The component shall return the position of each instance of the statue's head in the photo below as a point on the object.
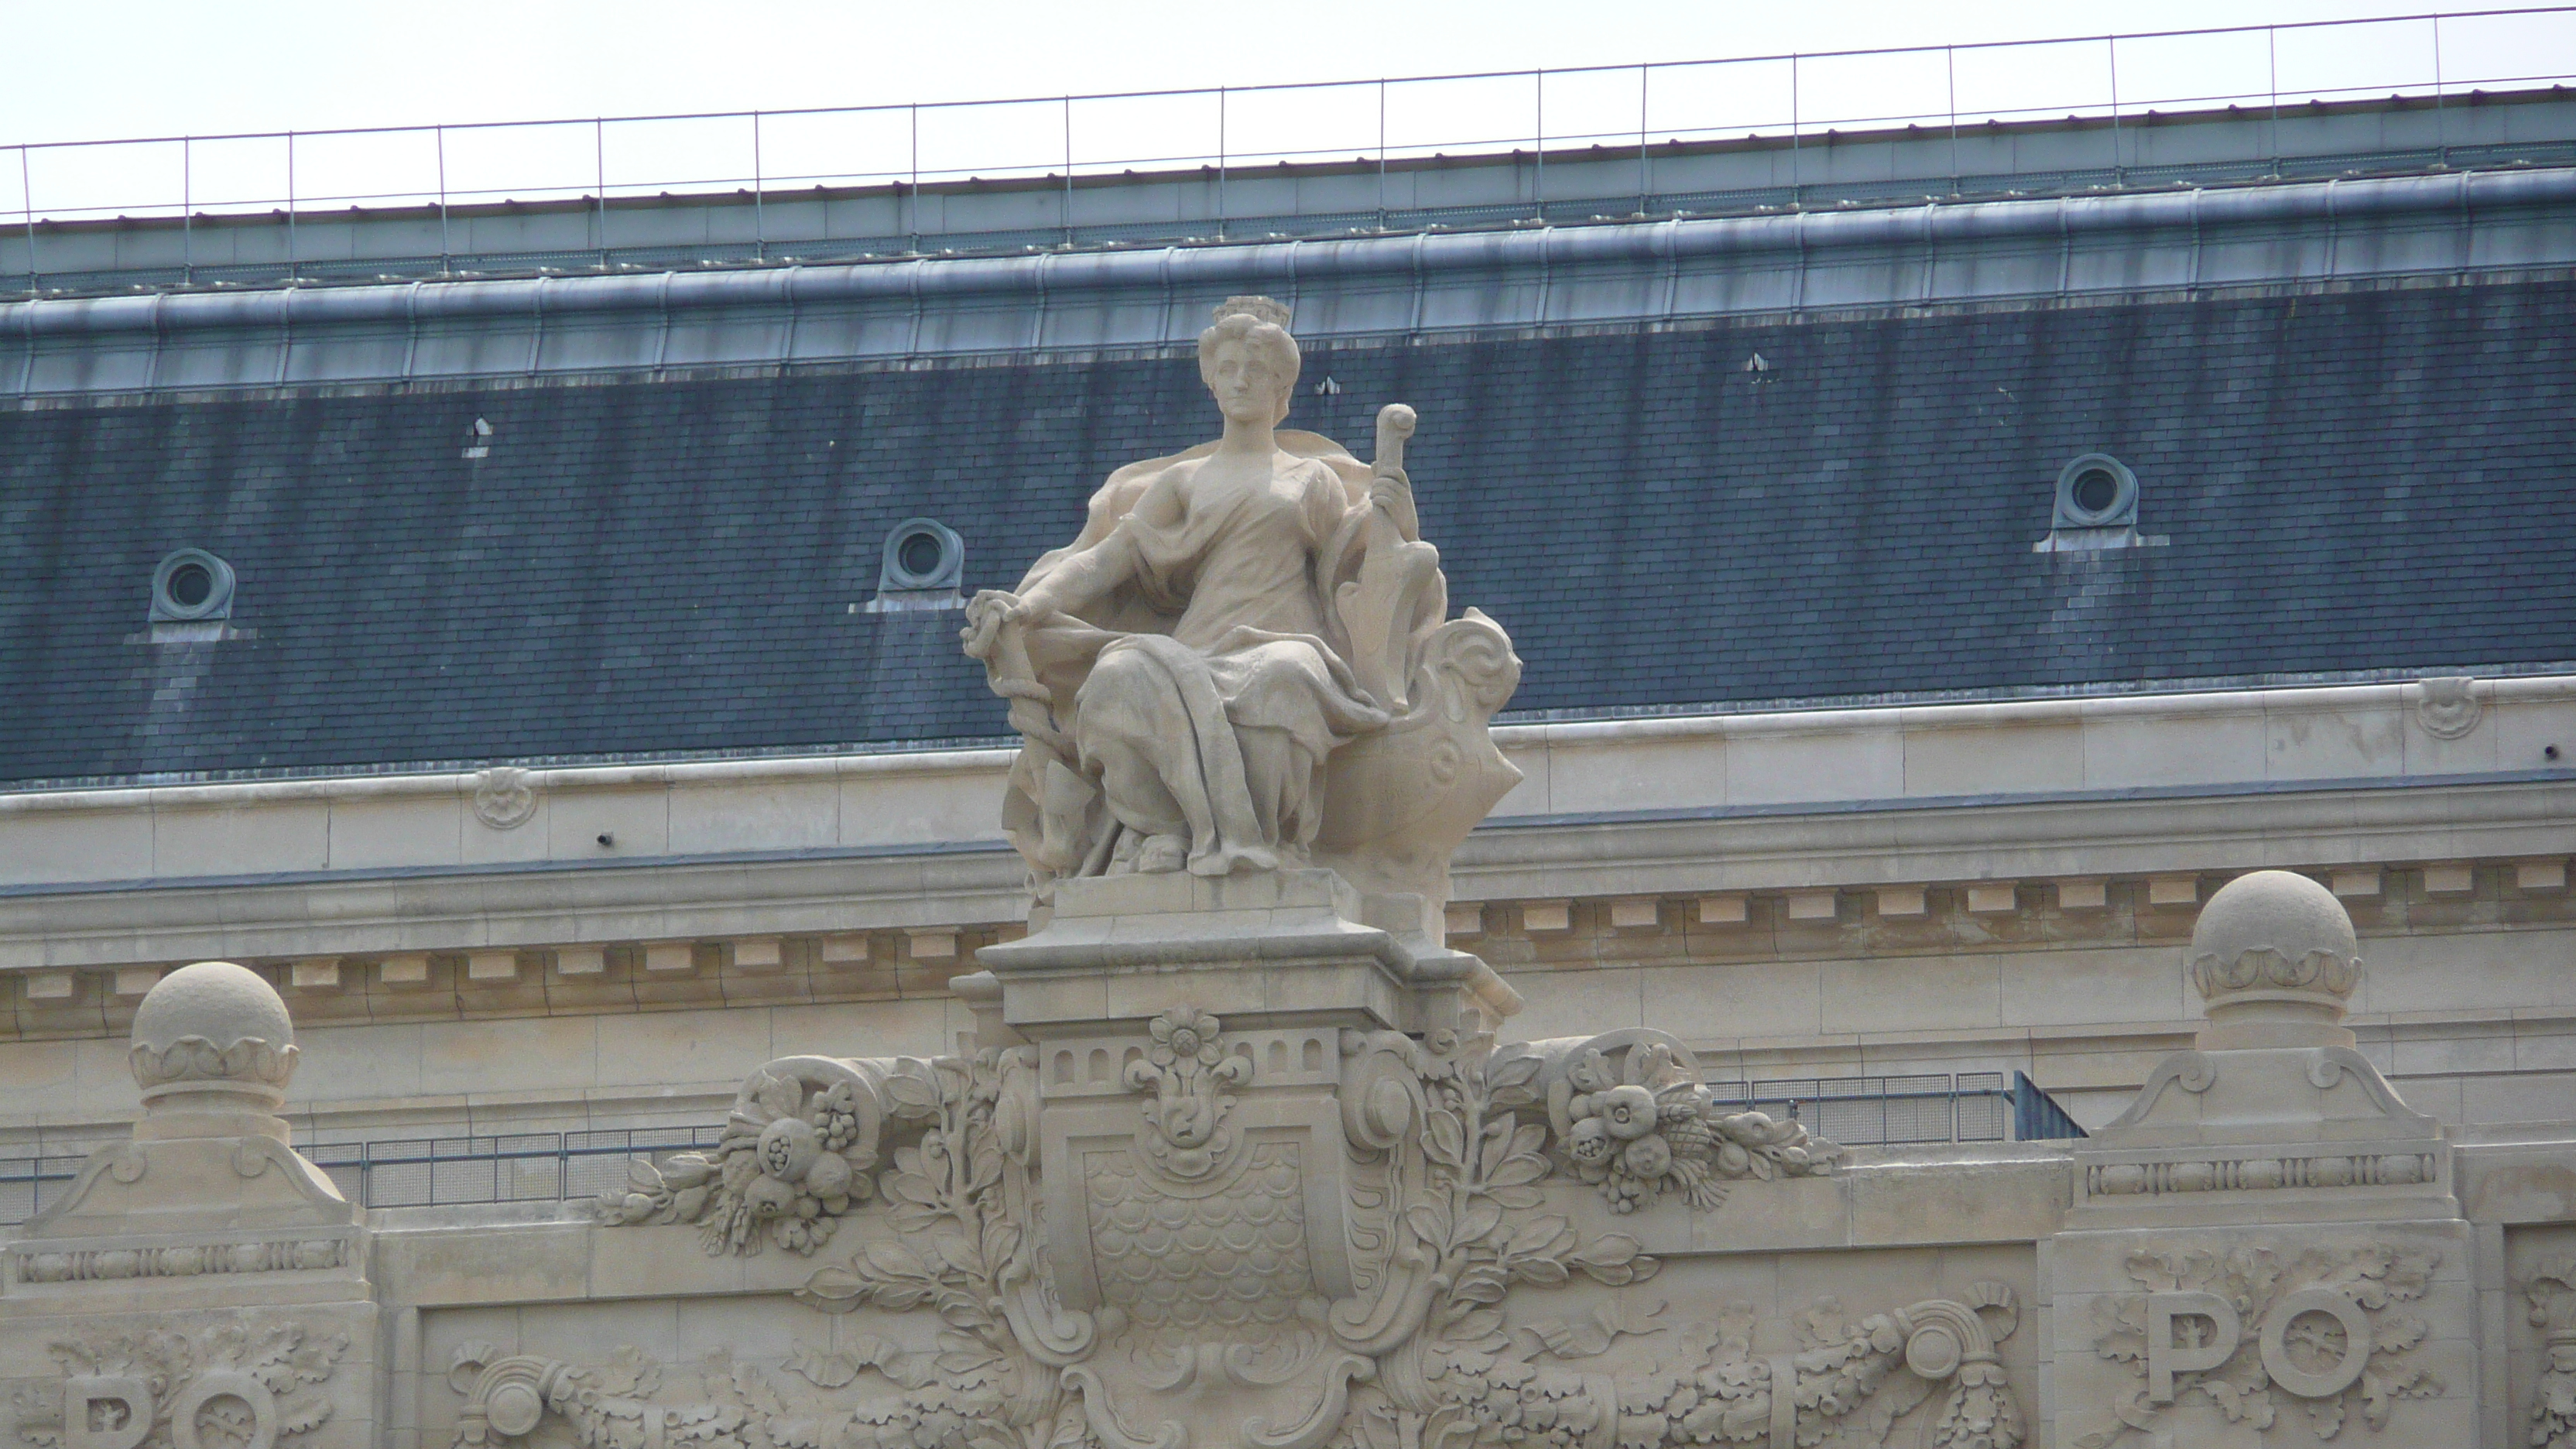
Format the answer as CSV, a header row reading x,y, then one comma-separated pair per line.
x,y
1248,360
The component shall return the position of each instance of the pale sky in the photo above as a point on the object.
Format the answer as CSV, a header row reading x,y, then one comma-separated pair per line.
x,y
162,67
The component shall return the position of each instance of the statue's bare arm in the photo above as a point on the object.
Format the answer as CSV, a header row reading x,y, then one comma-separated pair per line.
x,y
1082,577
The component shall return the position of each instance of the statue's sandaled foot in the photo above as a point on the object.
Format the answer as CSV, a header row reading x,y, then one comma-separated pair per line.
x,y
1161,854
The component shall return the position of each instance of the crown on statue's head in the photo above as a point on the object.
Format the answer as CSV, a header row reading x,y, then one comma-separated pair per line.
x,y
1259,308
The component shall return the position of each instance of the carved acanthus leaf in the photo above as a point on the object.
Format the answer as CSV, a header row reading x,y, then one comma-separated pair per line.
x,y
2551,1292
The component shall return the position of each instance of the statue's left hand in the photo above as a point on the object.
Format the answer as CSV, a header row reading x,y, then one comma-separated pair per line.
x,y
986,613
1392,491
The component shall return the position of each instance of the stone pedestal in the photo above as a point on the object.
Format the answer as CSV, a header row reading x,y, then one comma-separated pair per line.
x,y
2266,1249
202,1286
1294,947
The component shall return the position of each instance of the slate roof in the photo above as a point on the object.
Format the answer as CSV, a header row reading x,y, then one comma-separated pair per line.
x,y
2371,480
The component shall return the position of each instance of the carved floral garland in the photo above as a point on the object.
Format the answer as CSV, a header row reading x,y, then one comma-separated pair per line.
x,y
1463,1134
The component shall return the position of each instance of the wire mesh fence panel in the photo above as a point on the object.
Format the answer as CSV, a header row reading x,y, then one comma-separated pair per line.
x,y
1882,1111
466,1170
400,1180
595,1163
529,1168
345,1163
1985,1108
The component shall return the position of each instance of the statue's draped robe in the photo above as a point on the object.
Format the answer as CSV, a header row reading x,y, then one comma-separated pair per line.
x,y
1215,673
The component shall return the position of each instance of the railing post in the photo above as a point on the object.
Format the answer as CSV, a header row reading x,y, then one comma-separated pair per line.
x,y
1066,215
2114,42
27,198
599,171
2272,82
912,232
1538,148
1381,153
294,263
1645,162
759,222
2441,134
1950,68
446,253
187,211
1220,162
1797,181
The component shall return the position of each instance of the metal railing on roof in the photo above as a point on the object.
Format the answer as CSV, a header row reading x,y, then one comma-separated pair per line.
x,y
1223,134
1883,1111
563,1166
517,1167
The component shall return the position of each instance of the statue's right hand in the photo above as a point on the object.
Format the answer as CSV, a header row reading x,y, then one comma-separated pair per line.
x,y
986,613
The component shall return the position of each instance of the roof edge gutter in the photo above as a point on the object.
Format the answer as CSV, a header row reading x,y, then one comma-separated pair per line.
x,y
1302,262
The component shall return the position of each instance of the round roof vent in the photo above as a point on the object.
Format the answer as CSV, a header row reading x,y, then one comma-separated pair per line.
x,y
2096,491
192,586
922,555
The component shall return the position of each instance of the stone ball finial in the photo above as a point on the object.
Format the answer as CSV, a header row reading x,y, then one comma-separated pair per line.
x,y
2274,958
213,1029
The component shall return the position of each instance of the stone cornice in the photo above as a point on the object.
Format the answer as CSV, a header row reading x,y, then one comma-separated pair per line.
x,y
981,763
1868,844
1860,846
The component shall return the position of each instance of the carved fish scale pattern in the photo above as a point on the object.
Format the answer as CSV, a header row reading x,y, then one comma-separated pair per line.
x,y
1233,1259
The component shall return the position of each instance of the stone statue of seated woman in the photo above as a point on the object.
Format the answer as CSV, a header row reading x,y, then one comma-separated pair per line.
x,y
1243,662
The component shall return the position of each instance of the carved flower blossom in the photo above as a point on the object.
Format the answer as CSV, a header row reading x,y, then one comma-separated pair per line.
x,y
1185,1033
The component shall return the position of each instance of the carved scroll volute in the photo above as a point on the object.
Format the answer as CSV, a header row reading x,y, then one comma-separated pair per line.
x,y
508,1398
1383,1109
1955,1342
1383,829
1050,1333
2552,1294
1382,1102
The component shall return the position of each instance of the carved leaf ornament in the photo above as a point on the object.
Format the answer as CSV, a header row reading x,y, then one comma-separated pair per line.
x,y
1447,1144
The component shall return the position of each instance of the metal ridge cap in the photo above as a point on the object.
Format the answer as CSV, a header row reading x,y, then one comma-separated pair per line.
x,y
1295,260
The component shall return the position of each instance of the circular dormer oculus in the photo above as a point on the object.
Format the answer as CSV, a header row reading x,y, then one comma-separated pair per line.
x,y
2096,491
922,555
192,586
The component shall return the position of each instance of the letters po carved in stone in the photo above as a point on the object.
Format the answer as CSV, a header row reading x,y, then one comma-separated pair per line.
x,y
2329,1330
2193,1332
